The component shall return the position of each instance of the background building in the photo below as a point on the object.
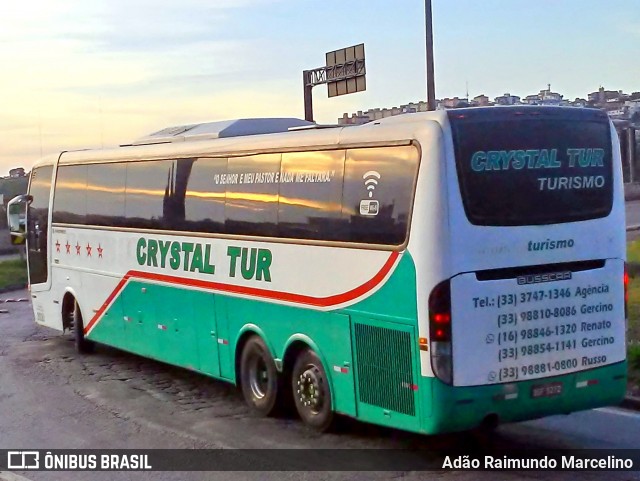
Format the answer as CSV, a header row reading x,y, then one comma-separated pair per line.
x,y
507,99
619,106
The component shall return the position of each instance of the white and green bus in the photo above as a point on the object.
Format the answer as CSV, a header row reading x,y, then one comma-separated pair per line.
x,y
430,272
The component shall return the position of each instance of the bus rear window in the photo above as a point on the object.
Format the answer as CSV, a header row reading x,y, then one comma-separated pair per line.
x,y
533,165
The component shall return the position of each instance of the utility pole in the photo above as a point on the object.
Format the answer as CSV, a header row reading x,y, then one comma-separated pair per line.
x,y
431,89
631,153
308,97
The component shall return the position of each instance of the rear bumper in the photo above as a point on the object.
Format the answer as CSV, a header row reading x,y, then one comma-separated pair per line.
x,y
463,408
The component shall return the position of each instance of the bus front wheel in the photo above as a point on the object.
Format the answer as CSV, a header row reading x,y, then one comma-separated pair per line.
x,y
83,346
311,391
259,377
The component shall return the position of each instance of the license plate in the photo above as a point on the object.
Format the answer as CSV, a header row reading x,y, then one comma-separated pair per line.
x,y
546,390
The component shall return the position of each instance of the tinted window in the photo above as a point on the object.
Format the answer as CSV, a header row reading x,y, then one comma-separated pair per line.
x,y
532,166
378,193
69,200
205,197
175,195
310,204
38,224
40,188
358,195
105,194
150,191
252,195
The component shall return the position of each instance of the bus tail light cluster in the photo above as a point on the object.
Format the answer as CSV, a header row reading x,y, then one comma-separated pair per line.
x,y
626,289
440,331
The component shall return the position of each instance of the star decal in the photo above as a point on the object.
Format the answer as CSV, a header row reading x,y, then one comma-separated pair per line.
x,y
88,250
68,247
57,245
100,249
78,248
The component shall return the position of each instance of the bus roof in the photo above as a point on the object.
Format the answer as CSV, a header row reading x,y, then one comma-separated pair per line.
x,y
222,129
291,137
252,135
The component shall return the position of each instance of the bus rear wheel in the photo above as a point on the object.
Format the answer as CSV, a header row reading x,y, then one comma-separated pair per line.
x,y
311,391
83,345
259,377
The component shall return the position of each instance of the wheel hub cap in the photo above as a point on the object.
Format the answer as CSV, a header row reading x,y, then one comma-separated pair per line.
x,y
310,393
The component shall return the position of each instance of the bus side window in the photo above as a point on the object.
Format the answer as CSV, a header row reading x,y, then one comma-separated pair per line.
x,y
105,194
378,193
251,206
310,203
205,196
70,200
150,185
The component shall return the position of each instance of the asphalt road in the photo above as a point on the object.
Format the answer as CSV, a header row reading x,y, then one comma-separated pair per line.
x,y
50,397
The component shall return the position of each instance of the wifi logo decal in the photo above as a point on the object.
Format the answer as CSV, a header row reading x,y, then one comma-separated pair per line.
x,y
370,207
371,179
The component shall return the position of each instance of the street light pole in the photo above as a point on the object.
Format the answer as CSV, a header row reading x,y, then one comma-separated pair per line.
x,y
431,89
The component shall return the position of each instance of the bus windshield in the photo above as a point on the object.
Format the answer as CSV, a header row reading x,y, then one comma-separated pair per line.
x,y
533,166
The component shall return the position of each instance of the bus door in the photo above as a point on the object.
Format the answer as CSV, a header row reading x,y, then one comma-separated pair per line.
x,y
38,226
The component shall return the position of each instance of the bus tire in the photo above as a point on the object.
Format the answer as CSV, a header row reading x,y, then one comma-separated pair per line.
x,y
259,377
311,391
83,345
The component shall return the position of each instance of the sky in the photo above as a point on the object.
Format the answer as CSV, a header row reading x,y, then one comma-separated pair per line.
x,y
82,74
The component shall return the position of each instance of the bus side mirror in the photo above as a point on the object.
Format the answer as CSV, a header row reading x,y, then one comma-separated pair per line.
x,y
17,218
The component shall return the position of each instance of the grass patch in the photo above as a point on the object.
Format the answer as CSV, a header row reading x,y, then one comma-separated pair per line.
x,y
633,305
633,335
13,273
633,252
633,357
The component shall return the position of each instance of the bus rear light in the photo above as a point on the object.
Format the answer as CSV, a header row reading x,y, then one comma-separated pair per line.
x,y
441,318
423,344
440,312
440,331
625,280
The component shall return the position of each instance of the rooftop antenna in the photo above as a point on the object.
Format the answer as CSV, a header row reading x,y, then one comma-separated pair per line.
x,y
40,129
101,123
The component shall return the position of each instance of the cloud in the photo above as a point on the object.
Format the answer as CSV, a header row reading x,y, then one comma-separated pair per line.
x,y
69,122
86,74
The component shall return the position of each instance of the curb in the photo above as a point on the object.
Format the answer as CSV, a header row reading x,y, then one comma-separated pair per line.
x,y
631,228
8,476
631,191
